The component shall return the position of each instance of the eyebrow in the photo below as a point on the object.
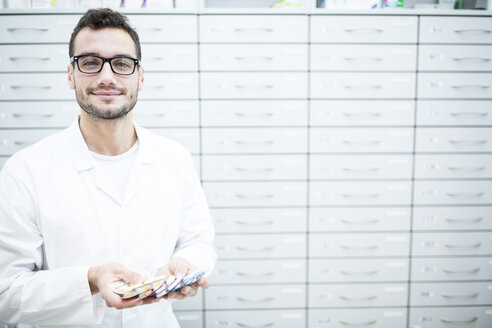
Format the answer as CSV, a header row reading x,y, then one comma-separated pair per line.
x,y
96,54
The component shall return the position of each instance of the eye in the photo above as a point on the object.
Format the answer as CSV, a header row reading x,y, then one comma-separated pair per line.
x,y
89,62
122,63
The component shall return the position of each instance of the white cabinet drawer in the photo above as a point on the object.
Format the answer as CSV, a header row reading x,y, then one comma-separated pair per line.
x,y
362,85
190,303
254,140
259,272
359,219
12,141
455,58
249,220
357,295
34,86
439,294
476,317
260,246
38,114
462,268
257,28
359,193
151,113
343,318
452,192
247,57
349,167
364,29
261,297
443,244
261,318
363,58
33,58
187,137
453,140
345,245
247,85
254,167
455,85
189,319
170,86
167,28
456,112
452,218
453,166
254,113
170,57
37,29
455,30
358,270
361,112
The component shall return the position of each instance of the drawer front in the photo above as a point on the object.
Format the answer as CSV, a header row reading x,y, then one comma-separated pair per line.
x,y
188,319
363,58
362,85
253,85
455,30
254,113
463,268
358,270
260,246
455,85
150,113
359,219
442,294
187,137
452,218
351,295
247,28
342,318
262,297
170,28
247,57
443,244
170,57
349,167
476,317
38,114
249,220
170,86
364,29
345,245
455,58
452,192
454,140
261,318
37,29
362,112
254,167
456,112
251,140
453,166
33,58
259,272
190,303
35,86
11,141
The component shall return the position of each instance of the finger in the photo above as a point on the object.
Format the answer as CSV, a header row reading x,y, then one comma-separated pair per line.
x,y
189,291
182,266
203,283
130,276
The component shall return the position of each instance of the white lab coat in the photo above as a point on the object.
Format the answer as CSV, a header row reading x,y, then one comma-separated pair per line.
x,y
59,215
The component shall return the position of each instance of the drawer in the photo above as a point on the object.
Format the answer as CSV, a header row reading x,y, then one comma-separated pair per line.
x,y
454,140
190,303
261,318
451,269
248,272
260,246
443,244
359,219
455,30
362,85
357,295
443,294
254,167
247,85
456,112
452,218
342,318
363,57
170,57
476,317
359,193
345,245
358,270
32,86
187,137
364,29
151,113
361,112
455,85
11,141
165,28
250,220
261,297
37,29
453,166
455,58
254,113
170,86
30,114
33,58
452,192
254,28
349,167
253,57
3,159
254,140
187,319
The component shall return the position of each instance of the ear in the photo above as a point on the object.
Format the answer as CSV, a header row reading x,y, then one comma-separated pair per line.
x,y
71,82
140,78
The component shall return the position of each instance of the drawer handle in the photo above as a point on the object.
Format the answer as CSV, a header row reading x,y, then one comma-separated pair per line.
x,y
363,114
155,58
362,86
470,86
34,115
254,143
470,271
254,29
254,115
372,195
357,323
23,143
355,221
459,322
480,59
363,58
473,30
156,86
360,248
479,114
255,275
254,170
462,296
467,141
464,220
255,223
465,194
38,29
253,86
358,298
265,325
29,58
466,168
364,30
264,196
359,273
155,29
264,58
360,169
258,300
262,249
476,245
30,87
361,142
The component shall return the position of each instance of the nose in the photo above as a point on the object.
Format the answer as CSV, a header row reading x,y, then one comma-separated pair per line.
x,y
106,75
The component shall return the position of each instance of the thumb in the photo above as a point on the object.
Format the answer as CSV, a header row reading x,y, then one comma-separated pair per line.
x,y
130,276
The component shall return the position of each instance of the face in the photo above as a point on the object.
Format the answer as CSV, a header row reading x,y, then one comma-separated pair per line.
x,y
105,95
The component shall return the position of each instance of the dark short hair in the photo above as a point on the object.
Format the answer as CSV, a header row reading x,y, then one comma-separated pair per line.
x,y
103,18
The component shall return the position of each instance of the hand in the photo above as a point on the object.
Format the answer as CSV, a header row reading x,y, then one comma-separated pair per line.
x,y
180,267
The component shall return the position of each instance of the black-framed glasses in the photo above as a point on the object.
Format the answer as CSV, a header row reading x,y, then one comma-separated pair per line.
x,y
92,64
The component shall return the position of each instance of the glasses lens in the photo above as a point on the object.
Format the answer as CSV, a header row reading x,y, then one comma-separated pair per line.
x,y
123,65
89,64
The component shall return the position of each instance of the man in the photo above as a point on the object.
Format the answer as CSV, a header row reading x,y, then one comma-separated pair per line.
x,y
101,201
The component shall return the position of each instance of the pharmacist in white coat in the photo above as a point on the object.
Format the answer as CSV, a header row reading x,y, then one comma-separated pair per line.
x,y
101,201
